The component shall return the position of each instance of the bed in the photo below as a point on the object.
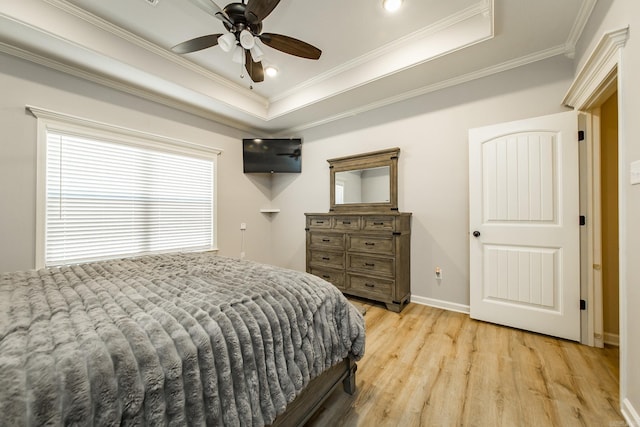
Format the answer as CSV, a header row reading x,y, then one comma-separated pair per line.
x,y
175,339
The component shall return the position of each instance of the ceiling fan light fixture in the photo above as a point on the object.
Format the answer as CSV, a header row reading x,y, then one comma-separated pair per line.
x,y
227,41
238,55
257,53
246,39
391,5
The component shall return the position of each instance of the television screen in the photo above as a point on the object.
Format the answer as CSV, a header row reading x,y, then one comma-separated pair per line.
x,y
274,155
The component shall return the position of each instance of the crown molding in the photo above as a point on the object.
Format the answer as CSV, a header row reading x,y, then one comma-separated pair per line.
x,y
485,72
484,8
98,22
578,25
123,87
598,68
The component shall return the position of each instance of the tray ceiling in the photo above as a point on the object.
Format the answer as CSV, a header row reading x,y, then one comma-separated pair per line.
x,y
370,57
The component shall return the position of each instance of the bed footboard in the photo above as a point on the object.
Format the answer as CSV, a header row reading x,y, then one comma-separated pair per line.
x,y
318,390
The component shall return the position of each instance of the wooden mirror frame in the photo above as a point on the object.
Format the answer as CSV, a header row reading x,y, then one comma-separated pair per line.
x,y
374,159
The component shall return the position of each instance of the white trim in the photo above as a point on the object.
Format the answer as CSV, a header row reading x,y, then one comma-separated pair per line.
x,y
125,87
448,22
612,339
601,68
48,119
474,75
41,189
151,47
622,233
578,26
630,414
444,305
594,229
602,62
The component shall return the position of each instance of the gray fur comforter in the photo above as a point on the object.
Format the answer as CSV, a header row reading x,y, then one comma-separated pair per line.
x,y
180,339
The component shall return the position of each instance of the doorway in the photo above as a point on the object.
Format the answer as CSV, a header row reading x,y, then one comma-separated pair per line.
x,y
599,182
609,219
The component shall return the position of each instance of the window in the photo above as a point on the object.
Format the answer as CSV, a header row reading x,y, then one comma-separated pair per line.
x,y
108,193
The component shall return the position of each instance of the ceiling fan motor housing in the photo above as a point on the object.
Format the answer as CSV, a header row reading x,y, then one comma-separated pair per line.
x,y
235,12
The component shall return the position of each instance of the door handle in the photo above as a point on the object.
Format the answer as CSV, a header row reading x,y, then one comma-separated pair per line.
x,y
476,233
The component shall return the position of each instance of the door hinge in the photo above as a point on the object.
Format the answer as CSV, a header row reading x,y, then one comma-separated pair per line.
x,y
583,220
580,135
583,304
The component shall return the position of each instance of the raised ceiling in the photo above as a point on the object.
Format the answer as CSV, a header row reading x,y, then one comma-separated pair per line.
x,y
370,58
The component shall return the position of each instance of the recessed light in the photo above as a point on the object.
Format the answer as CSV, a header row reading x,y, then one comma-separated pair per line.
x,y
271,70
391,5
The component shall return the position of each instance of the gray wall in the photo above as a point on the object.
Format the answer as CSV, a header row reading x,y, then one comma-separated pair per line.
x,y
23,83
431,132
613,15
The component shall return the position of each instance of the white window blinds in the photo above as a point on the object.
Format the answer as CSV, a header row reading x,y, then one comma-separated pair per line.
x,y
109,199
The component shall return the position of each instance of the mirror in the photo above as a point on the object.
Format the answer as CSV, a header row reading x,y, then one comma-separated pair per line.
x,y
365,182
363,186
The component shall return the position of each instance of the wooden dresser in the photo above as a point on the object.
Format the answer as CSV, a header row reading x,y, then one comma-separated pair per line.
x,y
363,254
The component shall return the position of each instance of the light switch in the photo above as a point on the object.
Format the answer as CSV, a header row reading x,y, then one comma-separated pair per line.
x,y
635,172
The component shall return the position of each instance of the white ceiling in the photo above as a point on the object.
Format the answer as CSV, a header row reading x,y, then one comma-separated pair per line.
x,y
370,58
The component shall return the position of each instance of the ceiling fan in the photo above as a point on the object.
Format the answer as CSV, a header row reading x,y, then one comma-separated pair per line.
x,y
244,23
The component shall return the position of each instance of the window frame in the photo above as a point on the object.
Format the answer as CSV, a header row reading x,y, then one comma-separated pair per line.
x,y
67,124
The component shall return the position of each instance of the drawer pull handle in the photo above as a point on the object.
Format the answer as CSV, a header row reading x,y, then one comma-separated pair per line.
x,y
326,276
369,244
378,223
368,264
346,222
319,222
369,285
326,240
326,258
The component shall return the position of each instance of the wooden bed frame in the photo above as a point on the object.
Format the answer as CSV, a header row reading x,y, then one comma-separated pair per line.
x,y
308,402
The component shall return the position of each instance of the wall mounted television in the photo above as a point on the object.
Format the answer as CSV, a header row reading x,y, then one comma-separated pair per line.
x,y
272,155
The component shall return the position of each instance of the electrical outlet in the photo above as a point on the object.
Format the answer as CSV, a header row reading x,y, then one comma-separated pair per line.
x,y
438,273
243,226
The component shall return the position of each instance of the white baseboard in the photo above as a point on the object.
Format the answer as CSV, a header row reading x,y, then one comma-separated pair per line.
x,y
445,305
612,339
630,414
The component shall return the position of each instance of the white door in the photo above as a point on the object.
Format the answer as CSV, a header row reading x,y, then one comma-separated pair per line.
x,y
524,225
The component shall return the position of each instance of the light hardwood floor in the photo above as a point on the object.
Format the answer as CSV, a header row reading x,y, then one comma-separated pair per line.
x,y
430,367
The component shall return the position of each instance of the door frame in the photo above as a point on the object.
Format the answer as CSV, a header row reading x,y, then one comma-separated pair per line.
x,y
602,71
591,265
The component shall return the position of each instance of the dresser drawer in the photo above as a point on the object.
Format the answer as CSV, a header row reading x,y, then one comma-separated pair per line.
x,y
370,287
379,223
369,264
327,259
346,223
319,221
371,244
327,240
332,276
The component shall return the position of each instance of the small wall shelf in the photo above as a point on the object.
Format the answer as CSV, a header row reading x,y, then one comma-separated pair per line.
x,y
269,210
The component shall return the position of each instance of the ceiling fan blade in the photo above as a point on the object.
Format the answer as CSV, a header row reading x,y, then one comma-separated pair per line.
x,y
211,7
196,44
290,45
257,10
255,70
